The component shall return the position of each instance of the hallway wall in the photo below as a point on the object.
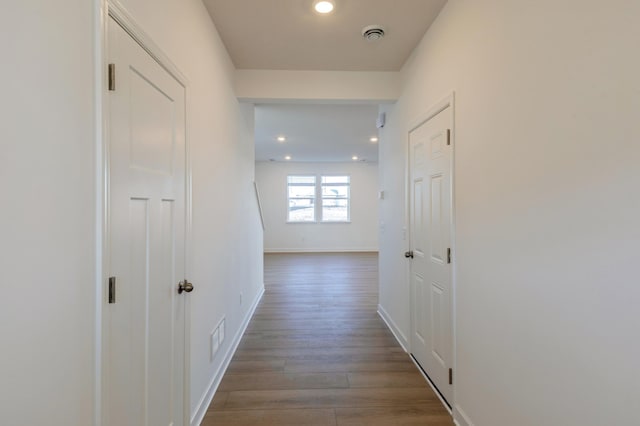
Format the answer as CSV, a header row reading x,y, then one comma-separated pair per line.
x,y
47,222
48,182
546,187
359,235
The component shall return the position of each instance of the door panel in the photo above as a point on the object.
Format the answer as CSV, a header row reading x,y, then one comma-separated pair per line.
x,y
145,384
430,235
438,249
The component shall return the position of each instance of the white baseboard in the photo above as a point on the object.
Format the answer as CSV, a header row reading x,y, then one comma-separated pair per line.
x,y
321,250
206,399
433,387
400,337
460,418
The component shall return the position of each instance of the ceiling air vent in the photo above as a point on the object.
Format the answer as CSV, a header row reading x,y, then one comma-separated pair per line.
x,y
373,32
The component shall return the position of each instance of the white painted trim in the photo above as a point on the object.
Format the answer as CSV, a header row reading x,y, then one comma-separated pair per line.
x,y
255,187
126,20
101,216
321,250
446,102
397,333
206,399
435,109
115,10
433,387
460,418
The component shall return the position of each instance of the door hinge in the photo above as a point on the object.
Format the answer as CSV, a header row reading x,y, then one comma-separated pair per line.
x,y
112,77
112,289
451,376
448,255
448,136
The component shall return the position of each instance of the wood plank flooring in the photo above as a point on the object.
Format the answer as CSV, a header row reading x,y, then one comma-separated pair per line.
x,y
316,353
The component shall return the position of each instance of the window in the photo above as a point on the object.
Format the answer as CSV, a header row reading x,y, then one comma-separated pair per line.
x,y
335,198
334,193
301,197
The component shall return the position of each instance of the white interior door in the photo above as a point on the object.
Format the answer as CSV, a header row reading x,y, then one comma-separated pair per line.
x,y
430,240
146,336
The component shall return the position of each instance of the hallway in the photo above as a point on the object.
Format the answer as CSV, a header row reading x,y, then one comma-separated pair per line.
x,y
316,353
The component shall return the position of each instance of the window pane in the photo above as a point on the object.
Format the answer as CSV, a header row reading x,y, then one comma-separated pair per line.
x,y
334,210
302,179
302,210
301,195
335,179
335,198
302,191
335,191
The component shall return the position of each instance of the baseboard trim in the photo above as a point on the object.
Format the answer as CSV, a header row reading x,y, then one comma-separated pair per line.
x,y
433,387
321,250
395,330
460,418
206,399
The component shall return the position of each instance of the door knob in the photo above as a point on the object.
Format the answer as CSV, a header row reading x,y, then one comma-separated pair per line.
x,y
185,286
408,254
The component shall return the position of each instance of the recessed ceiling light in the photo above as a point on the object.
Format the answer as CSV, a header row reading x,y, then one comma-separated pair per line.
x,y
281,139
288,157
374,139
324,6
354,158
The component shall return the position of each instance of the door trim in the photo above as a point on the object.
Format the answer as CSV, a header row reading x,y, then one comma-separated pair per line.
x,y
104,9
444,103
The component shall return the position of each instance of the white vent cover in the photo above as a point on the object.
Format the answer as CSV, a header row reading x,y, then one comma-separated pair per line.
x,y
373,32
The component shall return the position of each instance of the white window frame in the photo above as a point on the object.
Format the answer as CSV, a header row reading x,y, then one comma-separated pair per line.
x,y
321,198
318,200
315,199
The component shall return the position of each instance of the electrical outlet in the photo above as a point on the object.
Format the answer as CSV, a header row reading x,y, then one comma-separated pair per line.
x,y
240,299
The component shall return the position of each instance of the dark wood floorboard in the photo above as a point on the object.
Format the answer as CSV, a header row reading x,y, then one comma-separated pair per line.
x,y
316,353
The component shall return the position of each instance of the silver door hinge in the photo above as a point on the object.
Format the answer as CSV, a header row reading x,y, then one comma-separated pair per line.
x,y
451,376
448,136
448,255
112,77
112,289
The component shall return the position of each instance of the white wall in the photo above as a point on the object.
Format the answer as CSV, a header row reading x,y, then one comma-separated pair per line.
x,y
547,177
47,214
359,235
47,181
319,86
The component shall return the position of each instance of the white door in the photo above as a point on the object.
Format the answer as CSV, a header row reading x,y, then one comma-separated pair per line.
x,y
146,336
430,244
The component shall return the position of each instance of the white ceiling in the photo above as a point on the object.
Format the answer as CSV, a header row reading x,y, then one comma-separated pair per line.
x,y
323,133
289,35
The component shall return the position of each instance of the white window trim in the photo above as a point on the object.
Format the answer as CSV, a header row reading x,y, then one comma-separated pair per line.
x,y
315,201
318,219
320,204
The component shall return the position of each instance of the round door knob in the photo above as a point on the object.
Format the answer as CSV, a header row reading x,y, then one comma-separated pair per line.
x,y
185,286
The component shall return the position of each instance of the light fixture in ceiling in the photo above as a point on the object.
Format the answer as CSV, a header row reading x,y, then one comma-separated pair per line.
x,y
288,157
373,139
373,32
282,139
354,158
324,6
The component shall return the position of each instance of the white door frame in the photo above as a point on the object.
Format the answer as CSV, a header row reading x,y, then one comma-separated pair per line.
x,y
104,9
446,102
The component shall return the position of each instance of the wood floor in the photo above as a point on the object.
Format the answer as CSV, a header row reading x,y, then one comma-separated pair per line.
x,y
316,353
